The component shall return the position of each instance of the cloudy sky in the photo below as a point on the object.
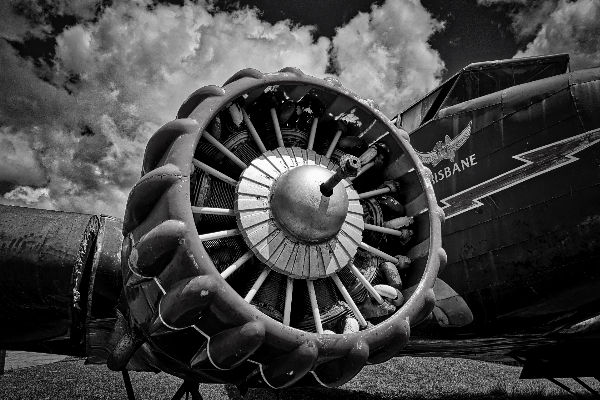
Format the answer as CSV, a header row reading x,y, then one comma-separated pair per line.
x,y
85,84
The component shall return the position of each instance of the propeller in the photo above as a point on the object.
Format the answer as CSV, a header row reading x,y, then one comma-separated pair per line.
x,y
283,232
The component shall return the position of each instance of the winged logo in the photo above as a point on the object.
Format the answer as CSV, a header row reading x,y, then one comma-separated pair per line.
x,y
446,150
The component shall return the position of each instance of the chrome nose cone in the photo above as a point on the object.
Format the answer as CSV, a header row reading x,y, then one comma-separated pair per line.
x,y
299,207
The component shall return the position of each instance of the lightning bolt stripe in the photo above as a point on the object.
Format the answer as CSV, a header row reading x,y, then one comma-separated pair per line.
x,y
537,161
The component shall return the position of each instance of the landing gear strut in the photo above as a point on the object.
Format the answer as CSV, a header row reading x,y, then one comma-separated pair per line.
x,y
128,386
187,388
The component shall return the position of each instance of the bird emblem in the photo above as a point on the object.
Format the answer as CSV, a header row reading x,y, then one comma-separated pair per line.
x,y
446,150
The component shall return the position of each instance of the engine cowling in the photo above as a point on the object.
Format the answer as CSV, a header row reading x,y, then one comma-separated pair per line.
x,y
283,232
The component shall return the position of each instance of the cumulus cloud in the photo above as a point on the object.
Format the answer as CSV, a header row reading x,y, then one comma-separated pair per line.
x,y
574,28
114,81
385,55
20,163
558,26
28,196
79,124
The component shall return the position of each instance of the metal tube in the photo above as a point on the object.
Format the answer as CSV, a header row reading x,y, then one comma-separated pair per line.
x,y
128,386
334,143
374,193
361,320
287,309
219,234
253,132
363,169
261,279
238,263
212,211
224,150
349,166
277,128
365,283
217,174
314,306
313,131
376,228
378,252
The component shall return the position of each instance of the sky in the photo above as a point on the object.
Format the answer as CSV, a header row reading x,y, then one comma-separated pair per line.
x,y
85,84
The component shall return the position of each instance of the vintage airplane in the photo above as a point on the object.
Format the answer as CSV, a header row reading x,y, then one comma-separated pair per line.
x,y
513,149
284,232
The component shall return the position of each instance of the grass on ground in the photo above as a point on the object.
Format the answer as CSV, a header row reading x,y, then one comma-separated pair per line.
x,y
400,378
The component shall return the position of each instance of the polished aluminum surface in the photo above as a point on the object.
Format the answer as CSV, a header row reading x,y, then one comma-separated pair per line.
x,y
302,211
288,223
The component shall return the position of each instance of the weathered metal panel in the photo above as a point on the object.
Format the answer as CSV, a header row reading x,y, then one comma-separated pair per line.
x,y
106,283
106,280
521,232
585,89
43,255
481,83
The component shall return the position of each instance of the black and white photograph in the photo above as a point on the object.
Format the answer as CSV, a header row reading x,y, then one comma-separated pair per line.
x,y
313,199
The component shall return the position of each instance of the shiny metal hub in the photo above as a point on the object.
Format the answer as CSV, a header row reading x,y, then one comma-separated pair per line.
x,y
301,210
288,223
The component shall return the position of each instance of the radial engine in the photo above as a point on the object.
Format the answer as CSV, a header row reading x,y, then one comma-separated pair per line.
x,y
283,232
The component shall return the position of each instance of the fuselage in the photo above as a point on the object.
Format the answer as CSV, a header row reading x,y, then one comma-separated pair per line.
x,y
516,172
